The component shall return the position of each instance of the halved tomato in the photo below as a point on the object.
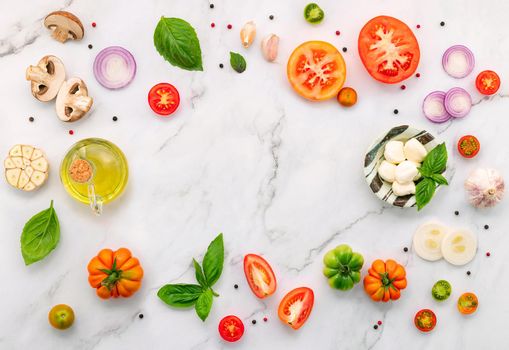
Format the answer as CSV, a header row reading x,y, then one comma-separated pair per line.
x,y
231,328
163,98
259,275
469,146
296,307
425,320
468,303
487,82
388,49
316,70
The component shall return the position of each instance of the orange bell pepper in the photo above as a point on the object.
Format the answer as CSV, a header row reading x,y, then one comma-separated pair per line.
x,y
385,280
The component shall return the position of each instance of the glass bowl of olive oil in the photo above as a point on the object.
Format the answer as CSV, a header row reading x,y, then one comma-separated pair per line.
x,y
95,172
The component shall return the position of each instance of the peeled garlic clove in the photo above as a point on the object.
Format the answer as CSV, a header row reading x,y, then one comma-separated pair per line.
x,y
270,47
485,187
247,34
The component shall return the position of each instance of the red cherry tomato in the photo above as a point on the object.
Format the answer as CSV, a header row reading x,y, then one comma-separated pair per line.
x,y
231,328
163,98
469,146
296,307
259,275
425,320
487,82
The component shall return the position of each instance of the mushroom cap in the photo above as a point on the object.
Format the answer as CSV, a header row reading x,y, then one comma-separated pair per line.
x,y
46,78
65,26
73,101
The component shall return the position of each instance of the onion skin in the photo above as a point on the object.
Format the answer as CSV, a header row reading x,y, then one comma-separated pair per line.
x,y
449,98
469,55
485,187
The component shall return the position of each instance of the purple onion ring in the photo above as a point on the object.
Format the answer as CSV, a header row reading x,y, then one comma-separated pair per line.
x,y
433,107
458,61
114,67
458,102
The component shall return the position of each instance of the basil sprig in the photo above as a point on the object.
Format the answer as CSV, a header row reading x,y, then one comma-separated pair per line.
x,y
177,42
431,170
200,295
237,62
40,235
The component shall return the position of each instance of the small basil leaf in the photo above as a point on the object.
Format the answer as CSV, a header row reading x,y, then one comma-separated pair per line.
x,y
40,235
237,62
439,179
180,295
213,260
177,42
424,191
436,160
200,277
204,304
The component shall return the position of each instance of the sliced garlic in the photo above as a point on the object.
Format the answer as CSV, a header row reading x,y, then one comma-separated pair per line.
x,y
26,167
394,152
248,33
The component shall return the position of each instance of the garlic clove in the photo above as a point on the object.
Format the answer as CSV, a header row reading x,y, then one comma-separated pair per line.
x,y
248,33
485,187
270,45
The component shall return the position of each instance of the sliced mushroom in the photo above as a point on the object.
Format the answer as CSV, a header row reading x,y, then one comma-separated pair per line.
x,y
46,78
73,101
65,26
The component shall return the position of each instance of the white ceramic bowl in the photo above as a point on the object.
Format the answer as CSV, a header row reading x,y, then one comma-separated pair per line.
x,y
375,155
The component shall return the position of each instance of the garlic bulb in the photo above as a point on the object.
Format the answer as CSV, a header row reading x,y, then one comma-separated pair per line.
x,y
485,187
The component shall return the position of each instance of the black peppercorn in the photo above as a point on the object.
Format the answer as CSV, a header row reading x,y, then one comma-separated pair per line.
x,y
396,111
140,315
468,273
271,17
456,213
211,6
405,249
345,49
221,65
31,119
442,23
236,286
90,46
253,321
375,326
115,118
486,227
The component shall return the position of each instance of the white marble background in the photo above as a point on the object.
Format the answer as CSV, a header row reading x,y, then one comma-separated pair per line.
x,y
244,155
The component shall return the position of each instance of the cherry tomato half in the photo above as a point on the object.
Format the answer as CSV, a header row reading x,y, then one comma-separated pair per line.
x,y
469,146
487,82
468,303
425,320
259,275
296,307
163,98
231,328
61,316
347,97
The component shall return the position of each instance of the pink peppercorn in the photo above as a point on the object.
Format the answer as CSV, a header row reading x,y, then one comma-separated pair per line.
x,y
403,87
94,24
337,32
71,132
418,75
229,26
488,254
379,323
418,26
212,24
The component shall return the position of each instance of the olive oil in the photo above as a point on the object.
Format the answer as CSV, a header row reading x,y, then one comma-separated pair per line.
x,y
109,172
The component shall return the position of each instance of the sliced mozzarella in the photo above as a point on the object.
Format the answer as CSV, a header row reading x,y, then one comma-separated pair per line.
x,y
415,151
406,171
403,189
459,247
393,152
428,239
386,171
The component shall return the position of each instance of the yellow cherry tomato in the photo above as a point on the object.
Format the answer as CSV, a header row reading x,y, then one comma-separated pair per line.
x,y
61,316
347,97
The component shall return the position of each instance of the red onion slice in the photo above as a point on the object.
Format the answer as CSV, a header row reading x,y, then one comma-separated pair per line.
x,y
114,67
458,61
457,102
434,109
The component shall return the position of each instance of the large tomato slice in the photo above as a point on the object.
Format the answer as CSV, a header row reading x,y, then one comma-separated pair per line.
x,y
388,49
259,275
316,70
296,307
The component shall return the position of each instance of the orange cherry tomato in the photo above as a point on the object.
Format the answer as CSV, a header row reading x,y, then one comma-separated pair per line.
x,y
347,97
259,275
164,99
115,274
61,316
425,320
296,307
231,328
468,303
487,82
316,70
469,146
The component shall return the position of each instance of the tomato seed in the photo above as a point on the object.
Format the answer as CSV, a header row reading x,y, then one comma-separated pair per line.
x,y
337,32
229,26
94,24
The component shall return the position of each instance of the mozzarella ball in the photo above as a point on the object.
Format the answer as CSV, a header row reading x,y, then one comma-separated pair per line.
x,y
404,189
415,151
387,171
394,152
405,172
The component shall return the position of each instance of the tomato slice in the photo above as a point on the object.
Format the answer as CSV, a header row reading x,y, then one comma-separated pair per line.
x,y
469,146
388,49
231,328
296,307
259,275
425,320
468,303
316,70
487,82
163,98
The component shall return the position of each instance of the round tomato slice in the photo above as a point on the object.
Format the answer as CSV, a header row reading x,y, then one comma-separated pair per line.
x,y
316,70
425,320
163,98
296,307
259,275
469,146
487,82
468,303
231,328
388,49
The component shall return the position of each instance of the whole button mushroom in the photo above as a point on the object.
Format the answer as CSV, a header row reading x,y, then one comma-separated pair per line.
x,y
65,26
46,78
73,101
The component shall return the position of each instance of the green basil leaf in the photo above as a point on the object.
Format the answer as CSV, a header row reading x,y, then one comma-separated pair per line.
x,y
180,295
176,41
439,179
237,62
40,235
200,277
436,161
204,304
213,260
424,191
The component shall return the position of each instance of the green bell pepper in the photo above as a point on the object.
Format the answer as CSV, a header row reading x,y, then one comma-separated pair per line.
x,y
342,267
